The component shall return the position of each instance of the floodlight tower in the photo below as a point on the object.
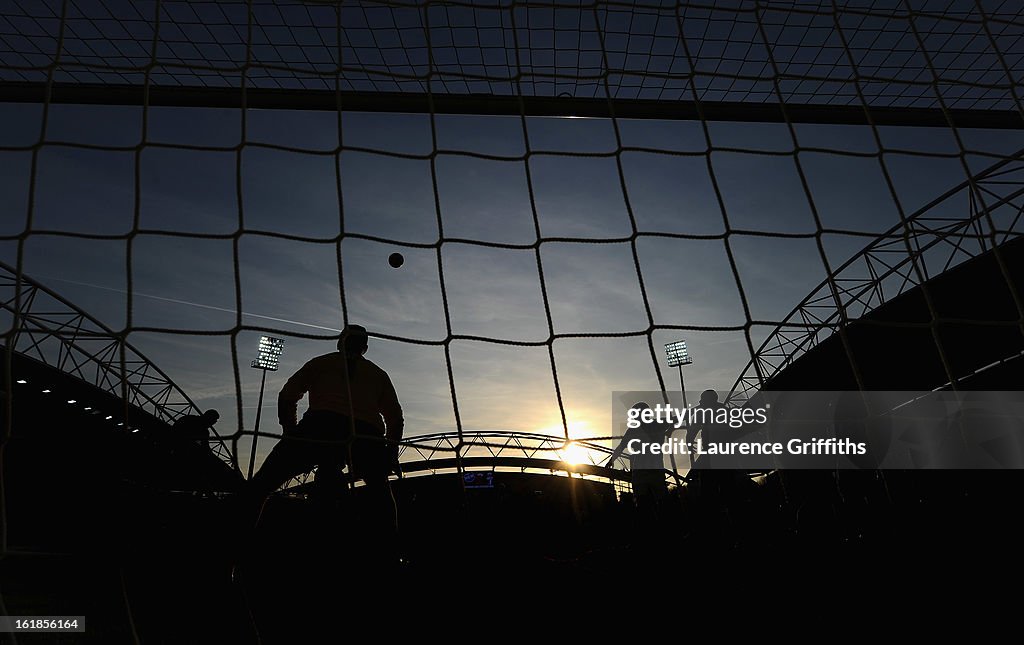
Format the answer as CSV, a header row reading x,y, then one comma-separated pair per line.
x,y
677,357
268,358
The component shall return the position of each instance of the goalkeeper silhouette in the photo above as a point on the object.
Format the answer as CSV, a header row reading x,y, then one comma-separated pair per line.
x,y
354,419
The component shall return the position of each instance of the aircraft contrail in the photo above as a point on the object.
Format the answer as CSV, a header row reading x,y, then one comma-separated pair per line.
x,y
192,304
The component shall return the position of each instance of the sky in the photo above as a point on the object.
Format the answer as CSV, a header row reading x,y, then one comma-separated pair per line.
x,y
228,227
183,258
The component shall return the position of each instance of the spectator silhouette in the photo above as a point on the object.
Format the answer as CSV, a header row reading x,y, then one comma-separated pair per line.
x,y
195,428
704,423
354,419
716,478
646,468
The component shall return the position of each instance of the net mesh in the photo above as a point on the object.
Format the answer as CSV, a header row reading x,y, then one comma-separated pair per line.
x,y
664,189
879,54
749,185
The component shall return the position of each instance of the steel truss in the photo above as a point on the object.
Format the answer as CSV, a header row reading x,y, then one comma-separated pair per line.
x,y
45,327
930,241
492,449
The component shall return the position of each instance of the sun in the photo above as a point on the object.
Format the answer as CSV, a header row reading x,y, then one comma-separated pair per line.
x,y
570,453
574,454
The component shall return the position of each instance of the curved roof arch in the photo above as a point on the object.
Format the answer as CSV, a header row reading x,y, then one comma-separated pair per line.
x,y
483,450
973,219
44,326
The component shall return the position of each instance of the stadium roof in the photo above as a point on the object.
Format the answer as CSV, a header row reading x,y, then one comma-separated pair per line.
x,y
43,326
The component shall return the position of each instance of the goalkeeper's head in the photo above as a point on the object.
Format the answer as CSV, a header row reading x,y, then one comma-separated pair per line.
x,y
354,340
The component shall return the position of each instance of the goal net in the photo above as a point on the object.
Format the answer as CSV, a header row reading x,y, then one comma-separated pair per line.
x,y
571,188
